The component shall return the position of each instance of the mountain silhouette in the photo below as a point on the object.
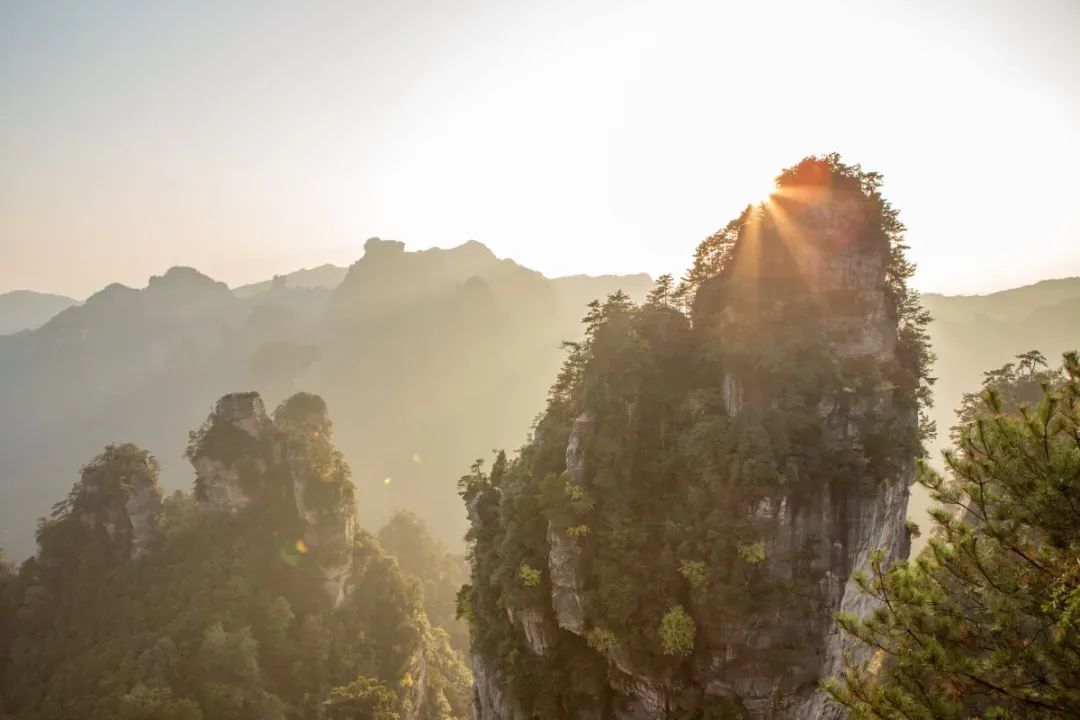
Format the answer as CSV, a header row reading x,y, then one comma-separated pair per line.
x,y
402,348
28,310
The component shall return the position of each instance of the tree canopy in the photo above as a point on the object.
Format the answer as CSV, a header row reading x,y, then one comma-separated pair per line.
x,y
984,623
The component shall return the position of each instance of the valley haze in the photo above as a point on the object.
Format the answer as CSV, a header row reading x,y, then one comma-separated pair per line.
x,y
709,361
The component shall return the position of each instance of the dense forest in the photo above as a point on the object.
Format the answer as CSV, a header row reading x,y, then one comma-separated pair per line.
x,y
253,596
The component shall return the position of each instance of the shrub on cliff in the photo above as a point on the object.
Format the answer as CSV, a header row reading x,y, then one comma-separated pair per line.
x,y
986,622
677,631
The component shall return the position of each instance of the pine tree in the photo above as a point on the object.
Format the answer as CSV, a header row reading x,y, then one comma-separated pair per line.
x,y
986,622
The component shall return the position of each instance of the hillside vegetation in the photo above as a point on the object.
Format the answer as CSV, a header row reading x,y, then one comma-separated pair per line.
x,y
253,597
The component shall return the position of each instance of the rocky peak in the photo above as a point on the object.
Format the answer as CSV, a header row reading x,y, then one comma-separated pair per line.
x,y
377,247
243,411
816,246
749,461
183,278
243,460
118,499
232,452
303,413
321,490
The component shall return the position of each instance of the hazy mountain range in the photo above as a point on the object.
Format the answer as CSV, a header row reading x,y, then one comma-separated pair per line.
x,y
426,358
27,310
975,333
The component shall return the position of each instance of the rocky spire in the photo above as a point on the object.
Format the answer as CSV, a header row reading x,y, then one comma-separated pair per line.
x,y
232,451
791,378
243,459
117,503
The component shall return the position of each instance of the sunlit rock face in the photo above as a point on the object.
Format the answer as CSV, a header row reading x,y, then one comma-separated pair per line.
x,y
244,461
565,562
811,270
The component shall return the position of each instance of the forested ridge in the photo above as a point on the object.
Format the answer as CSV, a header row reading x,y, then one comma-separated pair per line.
x,y
221,602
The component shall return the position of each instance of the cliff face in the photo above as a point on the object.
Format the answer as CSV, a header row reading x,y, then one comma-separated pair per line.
x,y
118,501
289,468
709,484
242,456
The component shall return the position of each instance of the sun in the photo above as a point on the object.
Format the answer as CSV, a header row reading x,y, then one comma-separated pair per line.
x,y
765,193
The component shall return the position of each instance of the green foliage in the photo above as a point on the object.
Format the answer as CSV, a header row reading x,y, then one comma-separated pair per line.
x,y
711,258
984,622
223,616
441,573
695,572
364,697
663,292
677,631
1013,385
752,553
529,575
684,421
307,430
601,639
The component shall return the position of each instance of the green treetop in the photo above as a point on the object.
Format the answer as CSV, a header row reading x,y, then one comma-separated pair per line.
x,y
984,623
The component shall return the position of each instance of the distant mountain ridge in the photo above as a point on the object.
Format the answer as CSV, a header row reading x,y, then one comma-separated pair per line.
x,y
465,326
326,276
1012,304
27,310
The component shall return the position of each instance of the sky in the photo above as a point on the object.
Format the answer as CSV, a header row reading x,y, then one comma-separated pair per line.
x,y
574,136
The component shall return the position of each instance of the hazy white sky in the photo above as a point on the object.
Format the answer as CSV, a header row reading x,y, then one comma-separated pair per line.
x,y
573,136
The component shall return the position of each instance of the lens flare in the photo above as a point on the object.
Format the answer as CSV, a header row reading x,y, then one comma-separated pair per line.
x,y
387,480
